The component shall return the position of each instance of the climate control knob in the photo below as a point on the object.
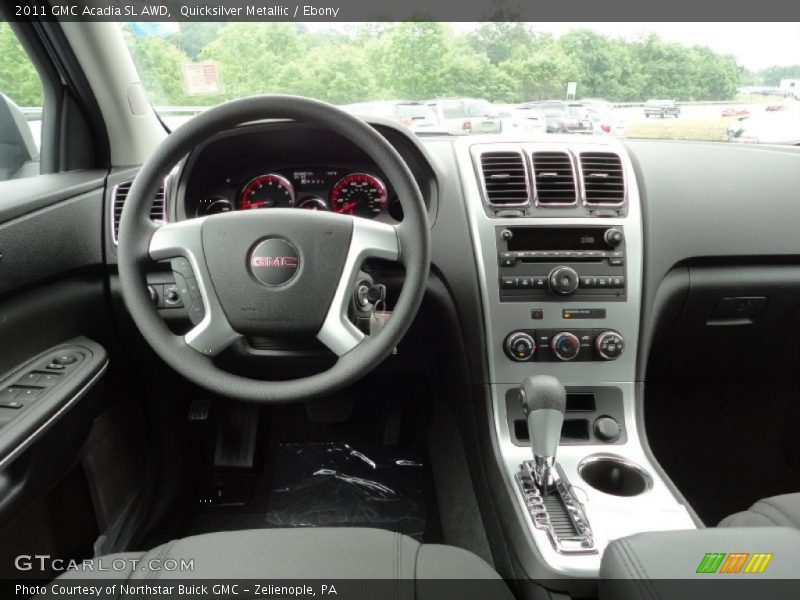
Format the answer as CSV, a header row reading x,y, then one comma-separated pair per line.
x,y
610,345
563,281
565,345
520,346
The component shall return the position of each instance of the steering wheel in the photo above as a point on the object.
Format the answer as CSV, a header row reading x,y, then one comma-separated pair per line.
x,y
277,272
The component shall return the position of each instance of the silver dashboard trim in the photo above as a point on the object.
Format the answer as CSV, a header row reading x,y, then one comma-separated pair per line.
x,y
611,516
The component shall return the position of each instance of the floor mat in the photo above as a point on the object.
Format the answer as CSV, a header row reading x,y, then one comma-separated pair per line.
x,y
339,484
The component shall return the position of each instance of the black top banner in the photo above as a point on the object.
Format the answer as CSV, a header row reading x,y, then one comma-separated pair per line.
x,y
406,10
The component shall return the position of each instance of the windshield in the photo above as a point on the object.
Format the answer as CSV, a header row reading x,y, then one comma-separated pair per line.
x,y
650,80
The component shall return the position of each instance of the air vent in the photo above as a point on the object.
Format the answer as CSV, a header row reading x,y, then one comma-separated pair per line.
x,y
603,181
554,179
158,211
505,178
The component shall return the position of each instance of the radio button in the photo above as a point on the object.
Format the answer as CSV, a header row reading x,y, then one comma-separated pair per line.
x,y
613,237
617,282
603,282
539,282
508,262
524,282
588,281
508,283
616,262
563,281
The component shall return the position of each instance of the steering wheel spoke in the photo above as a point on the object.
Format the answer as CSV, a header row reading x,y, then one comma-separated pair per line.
x,y
370,240
183,243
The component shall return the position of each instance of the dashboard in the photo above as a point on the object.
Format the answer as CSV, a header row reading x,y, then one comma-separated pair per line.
x,y
292,165
349,189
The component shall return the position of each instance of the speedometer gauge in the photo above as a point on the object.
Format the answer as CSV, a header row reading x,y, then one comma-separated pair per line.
x,y
267,191
360,195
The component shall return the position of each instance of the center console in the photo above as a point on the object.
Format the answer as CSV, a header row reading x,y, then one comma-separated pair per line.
x,y
557,230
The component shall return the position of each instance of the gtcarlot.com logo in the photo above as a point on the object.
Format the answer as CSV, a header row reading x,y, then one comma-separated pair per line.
x,y
45,562
734,563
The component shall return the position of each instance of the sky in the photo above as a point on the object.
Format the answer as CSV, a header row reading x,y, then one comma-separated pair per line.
x,y
755,45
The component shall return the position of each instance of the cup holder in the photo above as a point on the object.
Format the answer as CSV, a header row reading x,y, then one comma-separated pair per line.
x,y
614,475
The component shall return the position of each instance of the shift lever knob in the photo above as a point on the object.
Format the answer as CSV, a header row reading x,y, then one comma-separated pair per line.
x,y
544,401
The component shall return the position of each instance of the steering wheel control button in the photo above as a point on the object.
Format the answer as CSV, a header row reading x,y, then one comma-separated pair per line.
x,y
607,429
565,345
520,346
274,262
610,345
564,281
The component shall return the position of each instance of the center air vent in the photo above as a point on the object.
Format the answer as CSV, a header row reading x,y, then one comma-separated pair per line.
x,y
158,211
505,178
554,179
603,181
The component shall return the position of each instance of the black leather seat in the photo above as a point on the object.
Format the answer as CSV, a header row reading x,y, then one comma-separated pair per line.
x,y
781,511
408,569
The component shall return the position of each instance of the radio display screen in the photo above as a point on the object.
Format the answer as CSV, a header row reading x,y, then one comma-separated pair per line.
x,y
557,238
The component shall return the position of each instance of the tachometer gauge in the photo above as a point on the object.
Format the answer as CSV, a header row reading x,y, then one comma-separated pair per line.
x,y
267,191
360,195
213,205
313,203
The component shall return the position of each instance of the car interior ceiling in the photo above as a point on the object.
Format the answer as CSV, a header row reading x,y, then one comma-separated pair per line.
x,y
120,452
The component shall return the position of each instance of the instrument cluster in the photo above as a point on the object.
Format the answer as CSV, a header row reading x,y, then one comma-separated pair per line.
x,y
357,193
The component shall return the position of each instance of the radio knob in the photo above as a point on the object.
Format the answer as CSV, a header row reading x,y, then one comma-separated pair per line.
x,y
610,345
520,346
613,237
565,345
563,281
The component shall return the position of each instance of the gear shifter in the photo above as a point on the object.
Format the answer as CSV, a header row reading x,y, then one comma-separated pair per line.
x,y
544,402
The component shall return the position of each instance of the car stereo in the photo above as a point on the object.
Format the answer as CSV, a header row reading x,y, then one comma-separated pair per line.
x,y
556,262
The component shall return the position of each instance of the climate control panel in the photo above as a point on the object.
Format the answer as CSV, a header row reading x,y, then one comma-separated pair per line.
x,y
553,345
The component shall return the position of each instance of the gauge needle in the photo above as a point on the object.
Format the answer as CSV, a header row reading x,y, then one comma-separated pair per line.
x,y
348,208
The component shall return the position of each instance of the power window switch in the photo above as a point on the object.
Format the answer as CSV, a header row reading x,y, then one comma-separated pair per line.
x,y
28,394
31,378
9,394
13,405
48,379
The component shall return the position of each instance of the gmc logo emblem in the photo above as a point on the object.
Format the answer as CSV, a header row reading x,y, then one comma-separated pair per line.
x,y
277,261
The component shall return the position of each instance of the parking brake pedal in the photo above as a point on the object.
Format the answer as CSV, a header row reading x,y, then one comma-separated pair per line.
x,y
237,434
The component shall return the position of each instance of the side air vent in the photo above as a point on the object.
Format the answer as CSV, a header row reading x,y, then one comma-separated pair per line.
x,y
603,180
158,211
505,178
554,179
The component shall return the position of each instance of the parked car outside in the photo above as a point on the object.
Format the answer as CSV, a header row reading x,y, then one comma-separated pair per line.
x,y
606,119
735,112
522,119
661,109
415,115
466,115
561,118
767,128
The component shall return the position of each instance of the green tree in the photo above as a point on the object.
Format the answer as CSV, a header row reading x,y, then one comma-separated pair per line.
x,y
159,64
18,78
